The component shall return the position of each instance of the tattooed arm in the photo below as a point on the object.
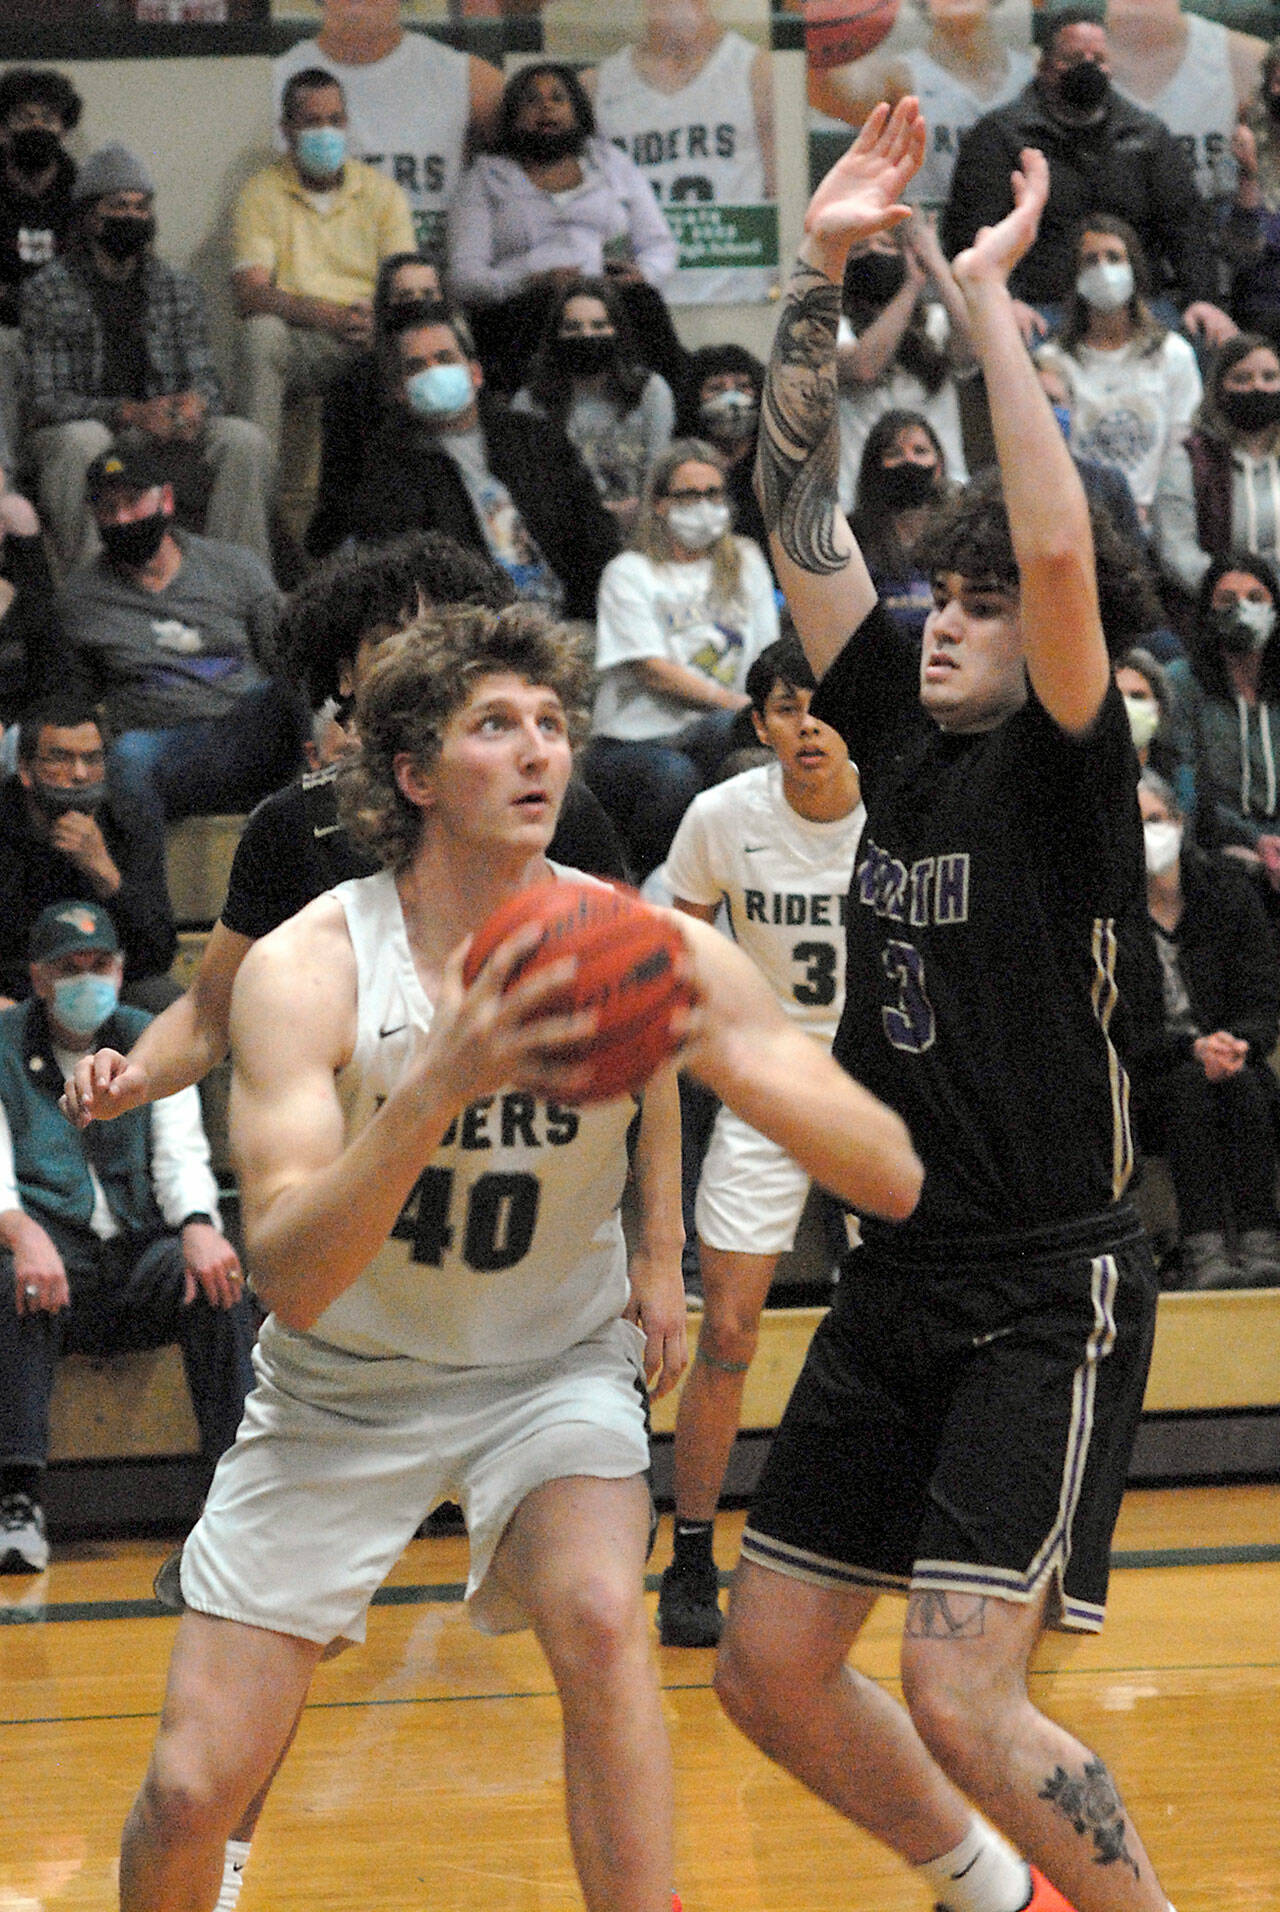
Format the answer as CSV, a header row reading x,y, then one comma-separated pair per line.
x,y
819,565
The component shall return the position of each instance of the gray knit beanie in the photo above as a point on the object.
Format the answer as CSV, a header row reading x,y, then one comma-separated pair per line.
x,y
112,169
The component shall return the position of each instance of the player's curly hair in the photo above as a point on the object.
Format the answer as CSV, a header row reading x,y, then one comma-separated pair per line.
x,y
422,680
970,534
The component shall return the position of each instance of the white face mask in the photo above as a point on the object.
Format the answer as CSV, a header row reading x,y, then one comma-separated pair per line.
x,y
1258,619
1144,719
1107,285
1162,840
698,526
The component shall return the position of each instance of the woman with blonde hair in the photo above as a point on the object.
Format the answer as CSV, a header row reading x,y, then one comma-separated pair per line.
x,y
681,615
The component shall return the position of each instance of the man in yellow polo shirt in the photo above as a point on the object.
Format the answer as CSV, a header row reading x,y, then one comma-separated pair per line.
x,y
310,232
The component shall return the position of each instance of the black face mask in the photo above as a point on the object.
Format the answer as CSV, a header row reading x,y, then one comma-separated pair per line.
x,y
584,353
1250,411
1083,87
124,236
403,315
903,486
873,278
1228,633
544,149
136,543
57,799
34,148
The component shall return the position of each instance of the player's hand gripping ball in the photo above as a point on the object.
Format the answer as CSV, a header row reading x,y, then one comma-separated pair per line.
x,y
630,972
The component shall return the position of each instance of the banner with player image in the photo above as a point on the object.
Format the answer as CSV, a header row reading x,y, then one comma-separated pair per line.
x,y
685,87
52,14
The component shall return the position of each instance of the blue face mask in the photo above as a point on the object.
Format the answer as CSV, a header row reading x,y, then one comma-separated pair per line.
x,y
81,1004
321,150
441,391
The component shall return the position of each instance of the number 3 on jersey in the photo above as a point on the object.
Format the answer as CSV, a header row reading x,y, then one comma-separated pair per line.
x,y
502,1214
909,1022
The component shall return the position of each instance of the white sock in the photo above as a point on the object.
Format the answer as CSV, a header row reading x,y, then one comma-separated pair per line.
x,y
981,1874
233,1865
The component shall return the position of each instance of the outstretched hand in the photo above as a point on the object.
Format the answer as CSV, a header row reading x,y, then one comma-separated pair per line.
x,y
862,194
997,249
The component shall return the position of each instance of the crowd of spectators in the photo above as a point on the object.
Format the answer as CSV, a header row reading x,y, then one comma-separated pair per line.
x,y
468,278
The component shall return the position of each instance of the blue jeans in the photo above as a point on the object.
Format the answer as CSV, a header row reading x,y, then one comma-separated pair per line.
x,y
647,787
218,764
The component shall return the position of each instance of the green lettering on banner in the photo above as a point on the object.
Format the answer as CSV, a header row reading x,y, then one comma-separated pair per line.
x,y
724,235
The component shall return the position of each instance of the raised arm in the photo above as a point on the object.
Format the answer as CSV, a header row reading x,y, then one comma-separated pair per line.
x,y
816,557
1048,517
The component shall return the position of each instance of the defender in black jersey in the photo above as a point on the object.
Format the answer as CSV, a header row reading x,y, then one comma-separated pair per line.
x,y
963,1424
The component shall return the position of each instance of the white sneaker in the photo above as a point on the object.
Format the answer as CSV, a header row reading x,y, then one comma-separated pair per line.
x,y
23,1547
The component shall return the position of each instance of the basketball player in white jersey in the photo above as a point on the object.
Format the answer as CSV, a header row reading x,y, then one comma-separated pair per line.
x,y
776,847
1197,75
692,103
435,1230
413,103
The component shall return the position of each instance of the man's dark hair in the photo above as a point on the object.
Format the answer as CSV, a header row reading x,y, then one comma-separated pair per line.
x,y
782,662
312,79
1063,17
381,587
62,710
387,271
52,89
517,87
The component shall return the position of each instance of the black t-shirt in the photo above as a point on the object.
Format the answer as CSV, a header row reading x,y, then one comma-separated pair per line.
x,y
121,311
293,849
32,232
981,998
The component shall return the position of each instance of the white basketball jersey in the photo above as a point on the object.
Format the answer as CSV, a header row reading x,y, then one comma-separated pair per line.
x,y
1199,106
510,1247
950,108
407,115
698,146
784,881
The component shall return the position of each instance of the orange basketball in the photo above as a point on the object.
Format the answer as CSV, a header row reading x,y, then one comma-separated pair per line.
x,y
836,31
628,958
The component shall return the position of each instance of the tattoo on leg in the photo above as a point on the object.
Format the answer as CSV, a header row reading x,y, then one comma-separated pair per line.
x,y
799,449
1093,1806
946,1616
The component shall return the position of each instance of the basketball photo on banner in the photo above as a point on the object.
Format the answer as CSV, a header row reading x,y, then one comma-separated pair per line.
x,y
685,88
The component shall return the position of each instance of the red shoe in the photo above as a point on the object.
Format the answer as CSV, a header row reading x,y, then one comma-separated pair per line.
x,y
1045,1896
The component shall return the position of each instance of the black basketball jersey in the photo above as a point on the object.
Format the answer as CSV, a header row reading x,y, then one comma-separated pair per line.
x,y
981,997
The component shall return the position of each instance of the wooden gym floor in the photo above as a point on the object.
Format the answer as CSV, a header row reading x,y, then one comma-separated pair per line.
x,y
427,1769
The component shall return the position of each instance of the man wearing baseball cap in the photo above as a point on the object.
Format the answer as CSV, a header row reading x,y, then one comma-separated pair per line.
x,y
110,1238
117,344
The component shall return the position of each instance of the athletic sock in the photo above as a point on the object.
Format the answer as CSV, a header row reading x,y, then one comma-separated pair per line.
x,y
233,1865
982,1874
692,1552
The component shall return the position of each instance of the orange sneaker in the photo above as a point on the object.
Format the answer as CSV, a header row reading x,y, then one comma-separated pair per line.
x,y
1045,1896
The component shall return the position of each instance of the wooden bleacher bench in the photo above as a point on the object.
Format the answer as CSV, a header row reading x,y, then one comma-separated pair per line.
x,y
198,853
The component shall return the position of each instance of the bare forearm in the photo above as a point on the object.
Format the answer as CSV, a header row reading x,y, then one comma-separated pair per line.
x,y
798,455
863,362
254,297
180,1047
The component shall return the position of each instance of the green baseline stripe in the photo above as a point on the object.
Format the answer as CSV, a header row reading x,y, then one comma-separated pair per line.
x,y
449,1592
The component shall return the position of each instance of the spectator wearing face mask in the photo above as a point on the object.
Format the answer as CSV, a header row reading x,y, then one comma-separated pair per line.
x,y
1134,385
38,108
586,377
65,831
117,347
902,343
719,402
1141,681
1225,716
682,614
1219,490
1203,1091
903,475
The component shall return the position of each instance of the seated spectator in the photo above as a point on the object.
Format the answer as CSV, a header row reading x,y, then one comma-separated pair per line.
x,y
1204,1093
310,232
1105,485
1134,385
585,376
32,645
553,201
108,1241
65,830
720,402
38,108
1105,155
448,457
1141,681
903,476
1219,490
1225,714
118,350
682,614
406,285
903,338
1250,237
174,634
